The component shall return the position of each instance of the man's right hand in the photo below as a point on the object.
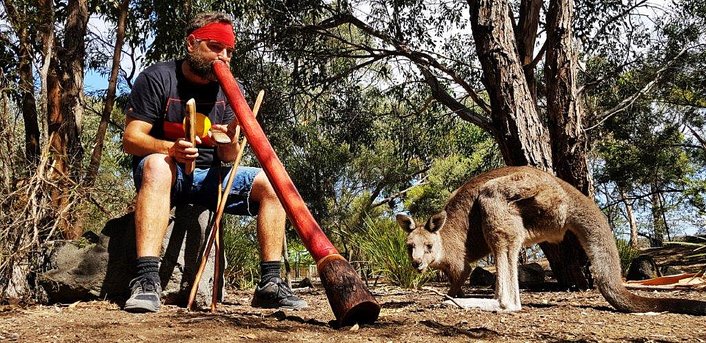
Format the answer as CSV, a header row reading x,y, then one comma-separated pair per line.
x,y
183,151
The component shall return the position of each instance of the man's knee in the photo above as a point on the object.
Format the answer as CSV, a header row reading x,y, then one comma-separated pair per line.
x,y
158,170
262,189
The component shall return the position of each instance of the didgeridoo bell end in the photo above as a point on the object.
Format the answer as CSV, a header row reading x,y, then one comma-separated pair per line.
x,y
350,300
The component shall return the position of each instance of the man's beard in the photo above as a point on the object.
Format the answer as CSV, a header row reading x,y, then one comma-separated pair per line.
x,y
201,66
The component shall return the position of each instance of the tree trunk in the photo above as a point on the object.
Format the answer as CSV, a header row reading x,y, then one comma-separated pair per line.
x,y
6,147
25,54
659,225
526,37
564,112
631,218
46,37
29,105
65,107
518,127
92,172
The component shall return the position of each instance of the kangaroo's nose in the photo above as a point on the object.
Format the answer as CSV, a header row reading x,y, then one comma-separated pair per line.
x,y
416,264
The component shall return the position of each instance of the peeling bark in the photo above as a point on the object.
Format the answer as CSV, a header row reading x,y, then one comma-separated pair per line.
x,y
65,113
564,112
521,135
521,132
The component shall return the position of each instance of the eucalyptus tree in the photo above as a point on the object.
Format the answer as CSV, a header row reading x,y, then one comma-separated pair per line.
x,y
23,18
653,151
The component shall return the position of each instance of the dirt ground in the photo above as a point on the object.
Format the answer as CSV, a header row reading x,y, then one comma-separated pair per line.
x,y
406,316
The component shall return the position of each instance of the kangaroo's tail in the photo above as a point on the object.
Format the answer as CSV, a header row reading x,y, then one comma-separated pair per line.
x,y
592,229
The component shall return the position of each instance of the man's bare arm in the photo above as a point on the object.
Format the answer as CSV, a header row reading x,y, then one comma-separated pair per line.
x,y
137,141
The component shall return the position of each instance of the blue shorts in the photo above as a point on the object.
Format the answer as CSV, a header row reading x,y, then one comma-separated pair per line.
x,y
199,188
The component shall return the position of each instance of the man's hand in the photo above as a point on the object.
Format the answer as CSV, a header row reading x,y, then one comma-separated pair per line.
x,y
229,129
183,151
227,152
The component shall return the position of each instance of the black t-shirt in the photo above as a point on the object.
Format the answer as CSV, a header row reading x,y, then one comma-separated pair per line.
x,y
159,97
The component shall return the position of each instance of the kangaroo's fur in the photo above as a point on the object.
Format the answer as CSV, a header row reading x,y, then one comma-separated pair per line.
x,y
501,211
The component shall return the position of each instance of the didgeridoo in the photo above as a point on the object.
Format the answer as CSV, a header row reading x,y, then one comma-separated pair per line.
x,y
350,300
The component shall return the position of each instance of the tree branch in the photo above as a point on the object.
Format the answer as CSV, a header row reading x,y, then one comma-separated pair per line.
x,y
630,100
421,59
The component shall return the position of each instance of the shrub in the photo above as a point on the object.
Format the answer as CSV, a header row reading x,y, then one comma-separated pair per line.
x,y
241,251
626,253
382,243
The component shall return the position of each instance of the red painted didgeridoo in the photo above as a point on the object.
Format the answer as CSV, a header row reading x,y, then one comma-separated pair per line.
x,y
350,300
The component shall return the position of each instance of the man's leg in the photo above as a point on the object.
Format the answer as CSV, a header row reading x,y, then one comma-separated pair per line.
x,y
272,291
271,219
151,220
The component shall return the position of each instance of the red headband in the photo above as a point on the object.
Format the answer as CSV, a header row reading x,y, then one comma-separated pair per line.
x,y
218,31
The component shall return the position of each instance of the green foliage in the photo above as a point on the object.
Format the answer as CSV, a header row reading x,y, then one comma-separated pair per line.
x,y
653,150
113,191
626,253
383,244
241,252
478,154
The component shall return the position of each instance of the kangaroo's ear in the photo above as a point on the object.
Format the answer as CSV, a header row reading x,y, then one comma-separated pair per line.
x,y
406,222
436,222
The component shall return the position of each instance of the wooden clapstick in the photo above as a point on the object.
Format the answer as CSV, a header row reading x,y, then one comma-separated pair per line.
x,y
220,137
190,130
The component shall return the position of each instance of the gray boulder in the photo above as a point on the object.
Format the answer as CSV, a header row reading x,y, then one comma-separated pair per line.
x,y
100,266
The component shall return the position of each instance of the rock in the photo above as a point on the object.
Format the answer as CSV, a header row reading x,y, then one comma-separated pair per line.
x,y
482,277
531,275
102,265
305,282
669,270
642,267
683,258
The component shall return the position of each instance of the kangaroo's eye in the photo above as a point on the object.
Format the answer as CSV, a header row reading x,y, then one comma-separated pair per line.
x,y
428,246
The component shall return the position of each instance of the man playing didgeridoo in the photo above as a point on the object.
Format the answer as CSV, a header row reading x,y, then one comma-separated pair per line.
x,y
154,136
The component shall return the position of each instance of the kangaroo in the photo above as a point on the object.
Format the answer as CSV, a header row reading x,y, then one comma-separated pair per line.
x,y
501,211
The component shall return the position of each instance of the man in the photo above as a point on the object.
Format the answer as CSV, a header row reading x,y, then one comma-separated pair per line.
x,y
154,136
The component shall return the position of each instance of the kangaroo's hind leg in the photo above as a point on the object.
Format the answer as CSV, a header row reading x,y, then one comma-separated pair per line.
x,y
505,233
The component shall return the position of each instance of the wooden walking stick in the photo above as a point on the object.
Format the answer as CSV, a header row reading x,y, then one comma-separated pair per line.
x,y
350,300
219,213
190,130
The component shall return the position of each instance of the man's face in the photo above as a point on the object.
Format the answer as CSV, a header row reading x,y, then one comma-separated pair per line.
x,y
202,53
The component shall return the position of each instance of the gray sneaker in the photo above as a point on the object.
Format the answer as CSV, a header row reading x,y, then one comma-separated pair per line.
x,y
145,295
276,294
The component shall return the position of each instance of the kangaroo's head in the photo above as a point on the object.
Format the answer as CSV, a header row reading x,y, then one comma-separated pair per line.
x,y
424,241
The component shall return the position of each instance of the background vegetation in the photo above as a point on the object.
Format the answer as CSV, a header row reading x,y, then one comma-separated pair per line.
x,y
373,107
